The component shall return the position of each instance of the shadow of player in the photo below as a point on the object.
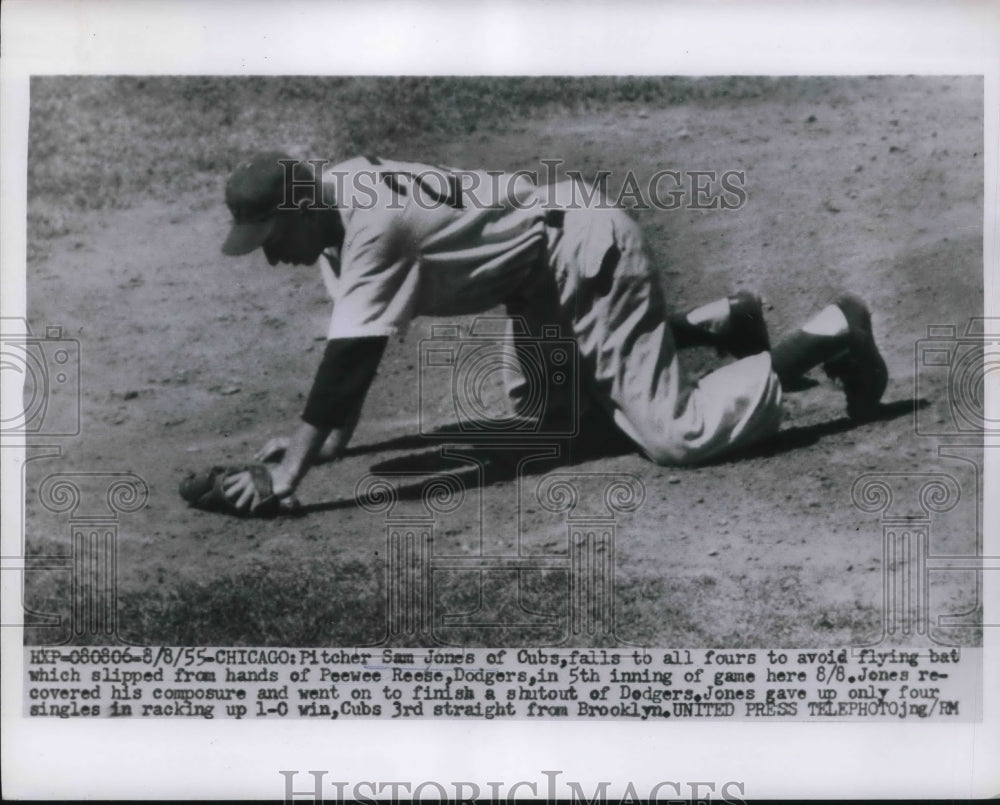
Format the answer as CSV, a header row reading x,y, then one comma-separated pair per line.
x,y
463,455
475,461
796,438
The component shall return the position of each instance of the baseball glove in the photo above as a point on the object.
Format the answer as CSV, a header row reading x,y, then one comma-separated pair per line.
x,y
205,490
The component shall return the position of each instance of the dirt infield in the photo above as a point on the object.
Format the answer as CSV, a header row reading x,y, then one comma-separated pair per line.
x,y
188,358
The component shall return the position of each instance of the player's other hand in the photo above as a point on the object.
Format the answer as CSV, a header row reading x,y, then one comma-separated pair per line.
x,y
274,450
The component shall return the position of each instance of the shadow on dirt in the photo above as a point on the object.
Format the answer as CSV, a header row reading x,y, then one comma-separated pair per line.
x,y
796,438
597,437
475,463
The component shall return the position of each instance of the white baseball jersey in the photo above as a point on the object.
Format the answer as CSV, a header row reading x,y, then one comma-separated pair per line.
x,y
421,240
424,240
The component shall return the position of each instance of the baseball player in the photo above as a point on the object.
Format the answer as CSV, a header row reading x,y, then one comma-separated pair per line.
x,y
396,240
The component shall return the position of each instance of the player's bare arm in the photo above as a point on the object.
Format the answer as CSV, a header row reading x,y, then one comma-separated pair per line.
x,y
342,381
274,449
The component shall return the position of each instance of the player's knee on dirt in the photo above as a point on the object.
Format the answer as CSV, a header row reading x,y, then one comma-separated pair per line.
x,y
660,440
669,453
734,407
674,448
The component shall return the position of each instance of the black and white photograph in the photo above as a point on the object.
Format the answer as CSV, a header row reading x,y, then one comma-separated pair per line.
x,y
398,394
673,316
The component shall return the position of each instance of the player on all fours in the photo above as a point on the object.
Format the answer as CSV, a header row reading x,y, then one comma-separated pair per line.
x,y
396,240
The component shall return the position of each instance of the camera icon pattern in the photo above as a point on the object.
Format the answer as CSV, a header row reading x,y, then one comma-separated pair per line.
x,y
417,567
41,381
967,362
461,374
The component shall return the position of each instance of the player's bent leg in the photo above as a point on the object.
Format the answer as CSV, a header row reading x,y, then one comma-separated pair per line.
x,y
620,321
537,374
734,407
734,325
840,337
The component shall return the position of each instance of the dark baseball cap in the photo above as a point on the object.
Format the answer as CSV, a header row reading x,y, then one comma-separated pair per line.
x,y
253,194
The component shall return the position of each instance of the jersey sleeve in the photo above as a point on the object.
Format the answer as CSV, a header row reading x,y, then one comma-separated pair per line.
x,y
376,291
342,380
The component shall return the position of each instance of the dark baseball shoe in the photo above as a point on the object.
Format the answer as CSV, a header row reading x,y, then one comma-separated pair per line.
x,y
859,368
746,333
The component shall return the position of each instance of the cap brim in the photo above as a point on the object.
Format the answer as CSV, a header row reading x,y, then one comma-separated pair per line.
x,y
244,238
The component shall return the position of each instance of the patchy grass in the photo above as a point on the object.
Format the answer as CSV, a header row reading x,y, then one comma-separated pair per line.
x,y
277,604
264,605
335,602
100,142
770,612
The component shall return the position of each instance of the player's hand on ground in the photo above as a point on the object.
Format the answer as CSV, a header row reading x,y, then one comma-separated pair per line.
x,y
274,450
282,486
245,495
242,491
